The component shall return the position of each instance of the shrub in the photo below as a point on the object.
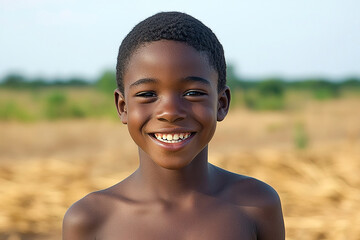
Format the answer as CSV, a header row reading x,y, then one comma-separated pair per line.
x,y
12,111
107,82
56,106
267,95
301,138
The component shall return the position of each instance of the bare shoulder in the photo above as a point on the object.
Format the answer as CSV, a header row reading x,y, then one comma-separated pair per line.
x,y
249,191
84,217
260,201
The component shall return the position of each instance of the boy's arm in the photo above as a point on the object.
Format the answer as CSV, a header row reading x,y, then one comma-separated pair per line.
x,y
263,205
80,221
270,222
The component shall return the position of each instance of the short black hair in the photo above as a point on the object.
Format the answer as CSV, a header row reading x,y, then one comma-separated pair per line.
x,y
175,26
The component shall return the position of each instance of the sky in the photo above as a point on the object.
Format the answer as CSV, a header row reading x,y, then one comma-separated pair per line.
x,y
267,38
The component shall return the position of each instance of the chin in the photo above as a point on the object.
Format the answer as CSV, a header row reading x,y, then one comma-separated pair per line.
x,y
173,164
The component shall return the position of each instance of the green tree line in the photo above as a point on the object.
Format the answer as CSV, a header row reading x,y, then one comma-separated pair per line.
x,y
107,81
80,98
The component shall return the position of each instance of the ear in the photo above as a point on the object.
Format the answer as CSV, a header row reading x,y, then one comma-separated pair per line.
x,y
120,106
223,103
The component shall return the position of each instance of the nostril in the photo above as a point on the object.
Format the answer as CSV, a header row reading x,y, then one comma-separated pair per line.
x,y
170,118
170,109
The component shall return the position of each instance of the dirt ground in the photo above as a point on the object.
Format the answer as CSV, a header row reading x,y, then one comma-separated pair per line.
x,y
311,156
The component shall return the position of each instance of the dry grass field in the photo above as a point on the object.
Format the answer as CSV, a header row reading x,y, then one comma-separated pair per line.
x,y
311,156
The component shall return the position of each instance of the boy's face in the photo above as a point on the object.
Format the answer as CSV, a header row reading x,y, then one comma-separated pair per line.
x,y
171,103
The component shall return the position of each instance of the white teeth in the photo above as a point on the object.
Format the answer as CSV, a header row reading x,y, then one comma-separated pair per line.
x,y
172,138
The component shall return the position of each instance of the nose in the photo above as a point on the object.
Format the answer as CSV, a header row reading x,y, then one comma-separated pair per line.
x,y
170,109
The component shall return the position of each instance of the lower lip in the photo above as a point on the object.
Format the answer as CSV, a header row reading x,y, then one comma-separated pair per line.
x,y
173,146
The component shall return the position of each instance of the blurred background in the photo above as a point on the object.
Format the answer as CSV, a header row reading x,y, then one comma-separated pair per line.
x,y
294,73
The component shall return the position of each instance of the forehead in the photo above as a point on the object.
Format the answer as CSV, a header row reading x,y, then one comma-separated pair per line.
x,y
167,59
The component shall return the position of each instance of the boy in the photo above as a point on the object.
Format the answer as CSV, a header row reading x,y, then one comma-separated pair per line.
x,y
171,92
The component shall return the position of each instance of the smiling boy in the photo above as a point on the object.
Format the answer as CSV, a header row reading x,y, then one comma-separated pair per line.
x,y
171,93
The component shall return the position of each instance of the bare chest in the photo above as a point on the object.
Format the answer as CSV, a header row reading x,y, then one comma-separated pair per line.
x,y
221,223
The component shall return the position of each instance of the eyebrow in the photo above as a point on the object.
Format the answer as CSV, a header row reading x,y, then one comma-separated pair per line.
x,y
196,79
143,81
186,79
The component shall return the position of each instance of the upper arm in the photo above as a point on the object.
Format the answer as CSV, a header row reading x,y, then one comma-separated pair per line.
x,y
269,218
262,203
266,211
80,222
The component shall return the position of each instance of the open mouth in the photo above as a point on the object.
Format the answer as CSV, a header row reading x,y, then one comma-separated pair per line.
x,y
172,137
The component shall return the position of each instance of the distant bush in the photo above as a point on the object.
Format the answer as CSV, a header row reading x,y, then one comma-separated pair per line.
x,y
14,80
231,79
319,88
323,90
267,95
301,138
18,81
77,111
352,83
10,110
271,87
56,106
107,82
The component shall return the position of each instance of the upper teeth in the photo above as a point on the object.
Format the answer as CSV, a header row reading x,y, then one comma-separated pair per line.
x,y
171,137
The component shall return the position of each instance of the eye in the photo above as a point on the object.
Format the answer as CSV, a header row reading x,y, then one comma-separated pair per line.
x,y
146,94
194,93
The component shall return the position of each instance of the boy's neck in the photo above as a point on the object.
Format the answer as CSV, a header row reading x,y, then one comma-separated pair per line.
x,y
166,184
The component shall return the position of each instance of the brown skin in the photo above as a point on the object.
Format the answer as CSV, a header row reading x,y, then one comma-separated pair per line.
x,y
175,193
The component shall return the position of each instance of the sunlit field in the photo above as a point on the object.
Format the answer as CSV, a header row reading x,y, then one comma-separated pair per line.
x,y
310,154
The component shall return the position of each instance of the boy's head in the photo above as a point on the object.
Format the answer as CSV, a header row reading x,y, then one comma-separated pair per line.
x,y
172,26
171,88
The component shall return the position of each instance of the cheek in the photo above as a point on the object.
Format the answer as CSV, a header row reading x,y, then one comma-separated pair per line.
x,y
138,112
206,115
206,110
137,117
